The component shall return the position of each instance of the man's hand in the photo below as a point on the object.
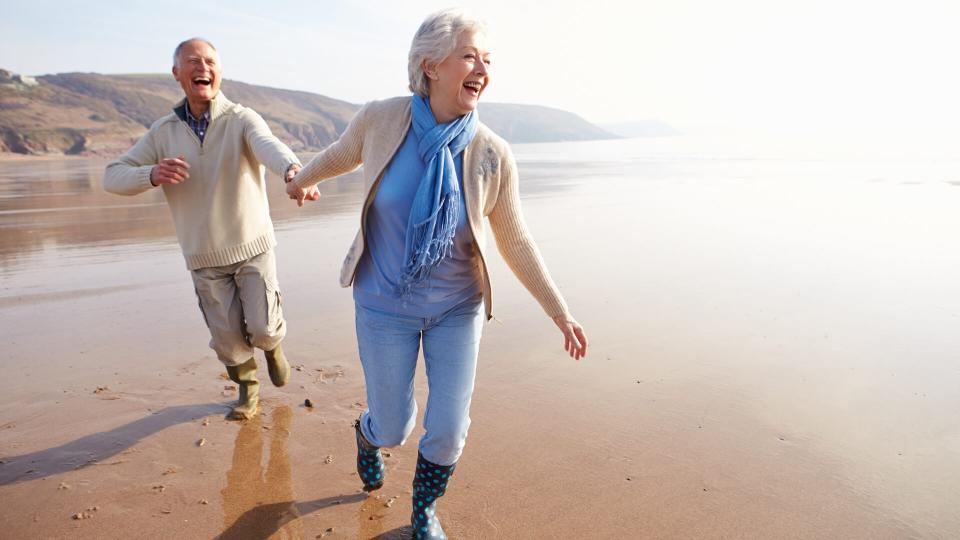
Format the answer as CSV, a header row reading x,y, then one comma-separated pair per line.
x,y
169,171
296,192
292,171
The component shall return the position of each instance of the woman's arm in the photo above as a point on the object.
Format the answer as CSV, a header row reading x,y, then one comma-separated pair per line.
x,y
518,249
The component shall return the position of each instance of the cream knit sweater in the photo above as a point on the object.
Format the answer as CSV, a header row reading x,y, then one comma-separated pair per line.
x,y
489,186
221,212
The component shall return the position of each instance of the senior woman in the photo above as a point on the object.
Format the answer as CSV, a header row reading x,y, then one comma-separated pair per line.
x,y
418,265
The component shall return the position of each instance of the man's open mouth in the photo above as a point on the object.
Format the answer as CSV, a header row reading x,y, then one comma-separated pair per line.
x,y
202,81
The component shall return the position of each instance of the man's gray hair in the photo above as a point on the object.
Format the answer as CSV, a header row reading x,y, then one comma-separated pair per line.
x,y
434,41
176,52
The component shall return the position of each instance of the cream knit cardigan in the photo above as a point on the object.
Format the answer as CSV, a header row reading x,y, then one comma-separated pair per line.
x,y
221,212
489,188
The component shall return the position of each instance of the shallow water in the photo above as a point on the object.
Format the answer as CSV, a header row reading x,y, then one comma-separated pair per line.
x,y
773,342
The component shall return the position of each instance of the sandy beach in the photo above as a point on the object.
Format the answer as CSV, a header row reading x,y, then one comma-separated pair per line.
x,y
773,355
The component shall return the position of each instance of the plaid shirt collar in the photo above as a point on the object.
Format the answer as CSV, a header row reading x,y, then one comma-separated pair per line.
x,y
198,125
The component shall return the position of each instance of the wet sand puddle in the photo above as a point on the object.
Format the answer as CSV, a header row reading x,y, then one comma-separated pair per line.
x,y
773,356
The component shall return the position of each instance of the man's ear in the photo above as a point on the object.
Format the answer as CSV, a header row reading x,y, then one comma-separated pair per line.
x,y
174,71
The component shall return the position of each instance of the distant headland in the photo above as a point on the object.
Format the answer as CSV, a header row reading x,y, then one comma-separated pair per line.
x,y
91,114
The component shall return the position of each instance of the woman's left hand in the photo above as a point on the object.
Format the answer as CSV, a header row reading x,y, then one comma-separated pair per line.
x,y
575,341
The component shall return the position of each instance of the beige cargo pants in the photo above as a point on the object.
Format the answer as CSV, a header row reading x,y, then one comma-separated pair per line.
x,y
240,303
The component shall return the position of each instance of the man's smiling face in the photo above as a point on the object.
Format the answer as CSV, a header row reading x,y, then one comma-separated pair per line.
x,y
198,72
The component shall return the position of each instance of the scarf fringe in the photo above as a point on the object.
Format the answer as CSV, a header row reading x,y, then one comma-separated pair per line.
x,y
432,247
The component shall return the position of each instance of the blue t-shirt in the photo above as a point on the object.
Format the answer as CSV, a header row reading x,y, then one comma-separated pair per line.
x,y
455,280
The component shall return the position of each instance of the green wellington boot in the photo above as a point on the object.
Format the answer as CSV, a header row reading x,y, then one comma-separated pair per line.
x,y
245,375
277,366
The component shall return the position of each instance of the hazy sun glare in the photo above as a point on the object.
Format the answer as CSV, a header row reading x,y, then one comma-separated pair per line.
x,y
846,72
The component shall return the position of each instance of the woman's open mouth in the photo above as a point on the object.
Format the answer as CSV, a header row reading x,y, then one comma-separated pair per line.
x,y
473,88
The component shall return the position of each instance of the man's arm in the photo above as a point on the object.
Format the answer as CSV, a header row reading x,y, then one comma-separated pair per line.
x,y
277,156
141,169
266,147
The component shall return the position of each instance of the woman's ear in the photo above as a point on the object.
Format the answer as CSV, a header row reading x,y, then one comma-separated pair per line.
x,y
430,70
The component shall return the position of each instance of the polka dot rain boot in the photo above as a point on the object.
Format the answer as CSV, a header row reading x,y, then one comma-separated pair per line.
x,y
429,484
369,462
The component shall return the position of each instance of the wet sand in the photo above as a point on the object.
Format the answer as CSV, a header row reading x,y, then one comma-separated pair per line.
x,y
772,357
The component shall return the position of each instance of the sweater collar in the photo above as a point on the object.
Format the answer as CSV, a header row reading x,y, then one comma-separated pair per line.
x,y
218,105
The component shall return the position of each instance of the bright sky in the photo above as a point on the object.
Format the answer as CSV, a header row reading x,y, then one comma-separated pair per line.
x,y
837,68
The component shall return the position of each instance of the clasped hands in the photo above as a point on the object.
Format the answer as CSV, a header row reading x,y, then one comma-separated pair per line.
x,y
296,192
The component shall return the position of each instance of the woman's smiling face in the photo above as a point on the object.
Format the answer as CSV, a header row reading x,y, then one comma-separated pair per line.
x,y
457,82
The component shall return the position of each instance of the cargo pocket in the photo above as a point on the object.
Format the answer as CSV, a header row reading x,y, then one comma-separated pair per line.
x,y
274,307
200,305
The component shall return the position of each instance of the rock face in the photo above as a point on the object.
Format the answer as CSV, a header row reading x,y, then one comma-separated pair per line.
x,y
15,80
93,114
25,80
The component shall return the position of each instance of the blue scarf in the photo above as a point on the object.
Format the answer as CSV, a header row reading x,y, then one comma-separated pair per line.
x,y
436,205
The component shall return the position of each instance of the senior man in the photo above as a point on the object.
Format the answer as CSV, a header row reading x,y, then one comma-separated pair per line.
x,y
206,156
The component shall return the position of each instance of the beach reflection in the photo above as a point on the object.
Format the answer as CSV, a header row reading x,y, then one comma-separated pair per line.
x,y
256,502
60,203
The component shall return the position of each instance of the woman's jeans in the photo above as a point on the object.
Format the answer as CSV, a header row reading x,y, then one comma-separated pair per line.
x,y
389,346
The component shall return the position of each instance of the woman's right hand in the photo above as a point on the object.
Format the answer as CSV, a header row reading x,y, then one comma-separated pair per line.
x,y
299,194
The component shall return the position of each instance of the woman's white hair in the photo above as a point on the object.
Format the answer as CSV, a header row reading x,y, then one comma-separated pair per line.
x,y
434,41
